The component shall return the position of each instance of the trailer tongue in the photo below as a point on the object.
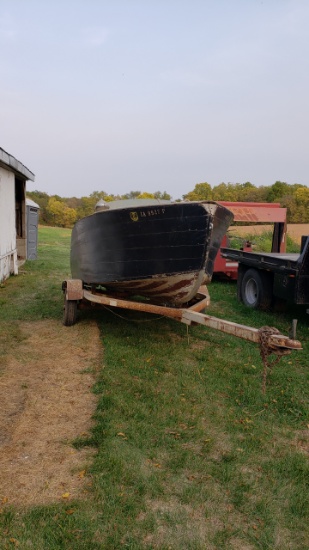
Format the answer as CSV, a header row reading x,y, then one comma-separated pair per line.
x,y
268,338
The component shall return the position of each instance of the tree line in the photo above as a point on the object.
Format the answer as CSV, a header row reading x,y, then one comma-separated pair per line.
x,y
64,212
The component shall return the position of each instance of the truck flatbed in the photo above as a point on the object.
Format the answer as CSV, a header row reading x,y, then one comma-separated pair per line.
x,y
276,261
265,276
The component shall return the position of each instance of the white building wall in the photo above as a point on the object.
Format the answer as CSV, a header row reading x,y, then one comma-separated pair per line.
x,y
8,253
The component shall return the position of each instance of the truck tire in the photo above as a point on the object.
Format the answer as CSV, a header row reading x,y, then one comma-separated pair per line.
x,y
69,312
256,289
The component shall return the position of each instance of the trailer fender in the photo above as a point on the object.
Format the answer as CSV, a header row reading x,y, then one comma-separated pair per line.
x,y
73,289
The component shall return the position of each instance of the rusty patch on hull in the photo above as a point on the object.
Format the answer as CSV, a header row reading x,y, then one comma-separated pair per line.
x,y
173,289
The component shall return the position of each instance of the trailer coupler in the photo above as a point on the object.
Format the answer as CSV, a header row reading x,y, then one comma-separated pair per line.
x,y
269,339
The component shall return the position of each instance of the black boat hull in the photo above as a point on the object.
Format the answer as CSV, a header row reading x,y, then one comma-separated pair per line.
x,y
161,251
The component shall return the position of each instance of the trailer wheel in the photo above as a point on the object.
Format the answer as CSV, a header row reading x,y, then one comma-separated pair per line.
x,y
256,289
69,312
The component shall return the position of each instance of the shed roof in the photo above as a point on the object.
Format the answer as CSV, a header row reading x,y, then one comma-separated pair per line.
x,y
8,161
30,202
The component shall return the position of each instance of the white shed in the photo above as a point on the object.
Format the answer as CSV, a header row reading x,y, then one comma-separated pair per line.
x,y
13,223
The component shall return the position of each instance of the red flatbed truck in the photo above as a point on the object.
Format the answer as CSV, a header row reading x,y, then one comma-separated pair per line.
x,y
263,277
252,213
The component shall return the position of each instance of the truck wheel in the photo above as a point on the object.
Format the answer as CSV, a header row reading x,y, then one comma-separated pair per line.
x,y
256,289
69,312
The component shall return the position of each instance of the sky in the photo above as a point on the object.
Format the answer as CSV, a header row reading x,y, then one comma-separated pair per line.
x,y
155,95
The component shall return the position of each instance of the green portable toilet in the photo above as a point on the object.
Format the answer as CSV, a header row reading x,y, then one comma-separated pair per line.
x,y
32,210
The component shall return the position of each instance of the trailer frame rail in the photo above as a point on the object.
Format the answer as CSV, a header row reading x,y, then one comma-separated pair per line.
x,y
75,293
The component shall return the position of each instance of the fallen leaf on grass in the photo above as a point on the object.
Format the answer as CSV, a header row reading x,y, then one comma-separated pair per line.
x,y
121,434
154,464
175,434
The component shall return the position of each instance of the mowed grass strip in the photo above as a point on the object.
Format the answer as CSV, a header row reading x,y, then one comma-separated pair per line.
x,y
190,453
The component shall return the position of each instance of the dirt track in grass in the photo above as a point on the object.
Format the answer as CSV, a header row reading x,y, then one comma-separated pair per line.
x,y
46,402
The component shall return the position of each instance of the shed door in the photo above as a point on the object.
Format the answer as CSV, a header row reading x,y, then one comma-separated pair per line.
x,y
32,233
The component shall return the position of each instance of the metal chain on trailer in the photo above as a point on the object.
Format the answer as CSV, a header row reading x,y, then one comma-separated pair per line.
x,y
266,350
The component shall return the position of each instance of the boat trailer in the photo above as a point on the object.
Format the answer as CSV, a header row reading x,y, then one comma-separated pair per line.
x,y
269,339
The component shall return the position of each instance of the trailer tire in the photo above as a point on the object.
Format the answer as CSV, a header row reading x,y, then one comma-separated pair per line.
x,y
256,289
69,312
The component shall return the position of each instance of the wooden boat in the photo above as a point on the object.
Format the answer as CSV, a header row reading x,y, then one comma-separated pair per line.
x,y
160,250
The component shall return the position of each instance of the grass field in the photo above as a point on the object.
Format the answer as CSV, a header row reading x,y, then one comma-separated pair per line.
x,y
189,453
295,231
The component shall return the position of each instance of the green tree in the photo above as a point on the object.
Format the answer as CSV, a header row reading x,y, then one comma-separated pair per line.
x,y
163,196
243,190
86,206
109,198
131,195
60,214
70,217
288,197
278,190
146,195
225,192
201,192
97,195
253,194
73,202
301,214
